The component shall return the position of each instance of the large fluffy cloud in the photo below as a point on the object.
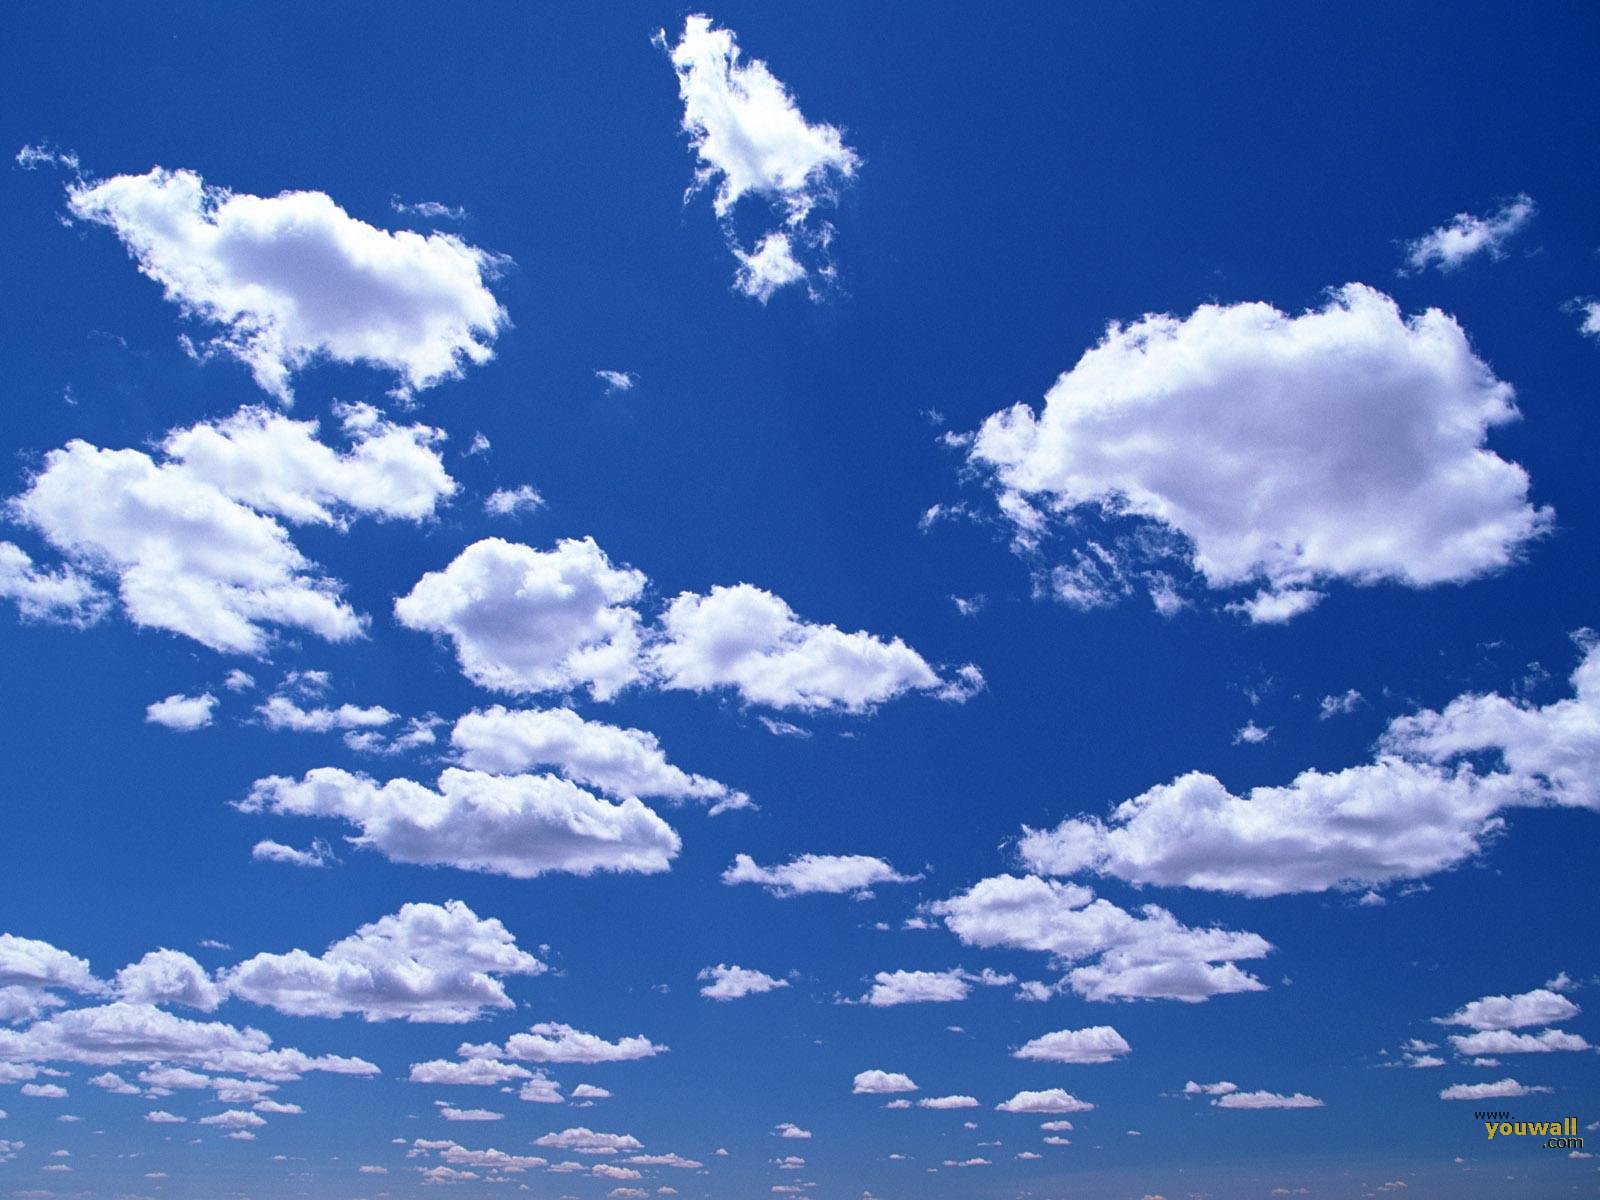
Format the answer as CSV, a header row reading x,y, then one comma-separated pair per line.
x,y
1346,443
293,278
1429,800
526,620
623,762
32,971
747,639
554,1042
1123,955
517,825
752,140
807,874
426,962
186,558
169,977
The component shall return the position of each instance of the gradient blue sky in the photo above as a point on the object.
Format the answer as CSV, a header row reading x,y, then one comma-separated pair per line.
x,y
998,191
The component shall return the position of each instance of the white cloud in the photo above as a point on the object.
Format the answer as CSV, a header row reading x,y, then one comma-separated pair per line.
x,y
182,713
1342,444
31,971
234,1119
1426,803
787,1129
1499,1089
750,640
588,1091
1222,1088
525,620
451,1113
581,1140
1590,323
319,855
809,874
1503,1041
427,962
293,278
622,762
474,1072
1334,706
44,1091
1126,956
63,596
890,988
432,210
553,1042
169,977
1251,734
881,1083
281,713
518,825
508,502
946,1103
1465,236
617,381
1050,1100
734,983
768,268
277,466
186,557
1096,1044
752,140
1266,1100
133,1033
1538,1007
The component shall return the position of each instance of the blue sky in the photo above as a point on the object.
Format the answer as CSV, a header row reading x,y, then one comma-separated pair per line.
x,y
798,601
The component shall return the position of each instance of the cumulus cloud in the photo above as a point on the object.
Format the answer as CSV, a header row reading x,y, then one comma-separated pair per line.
x,y
1148,955
617,381
1096,1044
508,502
32,971
474,1072
426,962
1538,1007
277,466
1504,1041
581,1140
619,761
169,977
809,874
186,557
121,1032
281,713
1266,1100
554,1042
747,639
293,278
1499,1089
1465,236
182,713
525,621
1221,1088
724,982
1435,793
890,988
752,140
320,854
63,596
1050,1100
1283,452
881,1083
517,825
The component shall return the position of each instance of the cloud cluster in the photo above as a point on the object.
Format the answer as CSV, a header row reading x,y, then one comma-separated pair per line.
x,y
195,541
293,278
1112,954
1284,452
